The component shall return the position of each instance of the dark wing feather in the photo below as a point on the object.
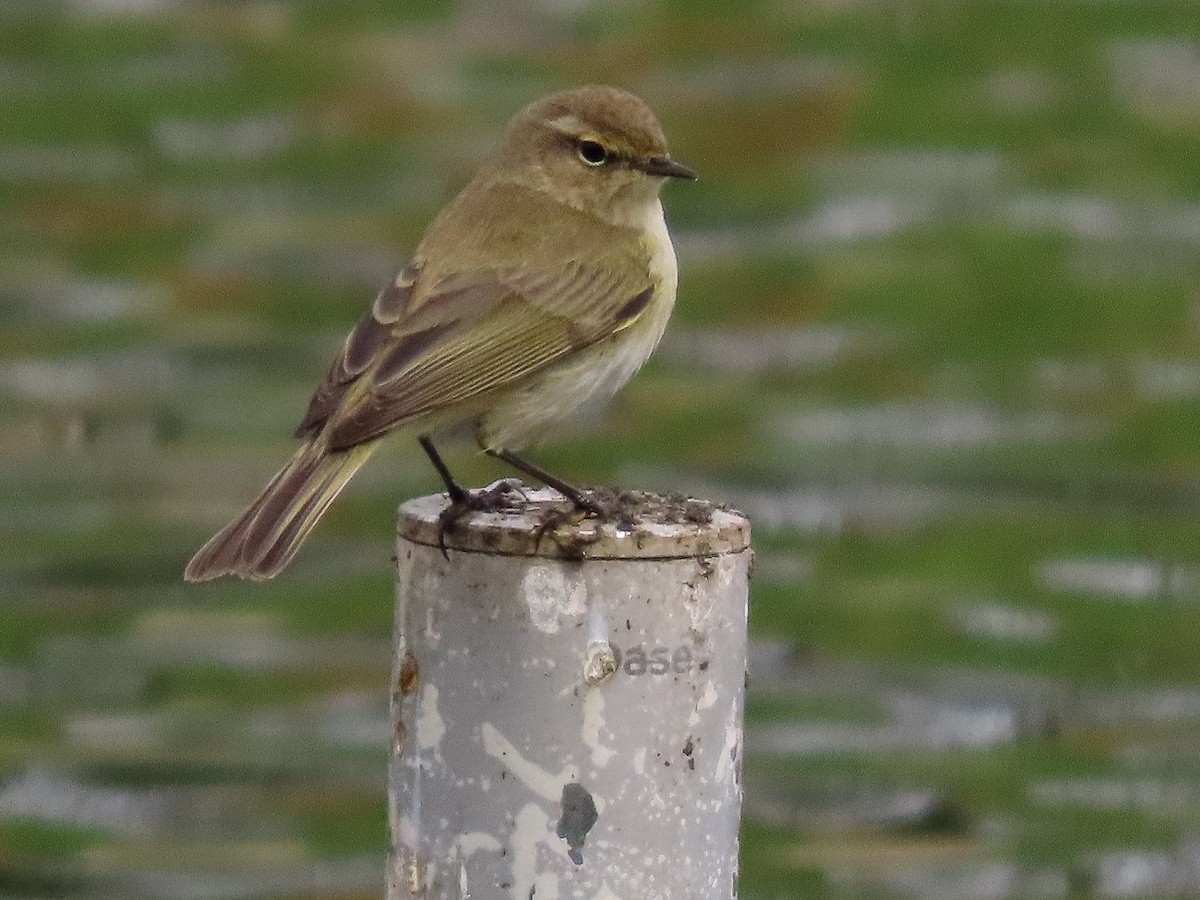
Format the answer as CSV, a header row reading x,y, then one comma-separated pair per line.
x,y
360,349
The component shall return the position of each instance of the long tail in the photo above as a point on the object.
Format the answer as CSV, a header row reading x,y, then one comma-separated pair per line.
x,y
263,539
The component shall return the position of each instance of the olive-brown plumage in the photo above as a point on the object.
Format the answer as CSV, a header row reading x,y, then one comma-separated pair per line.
x,y
545,283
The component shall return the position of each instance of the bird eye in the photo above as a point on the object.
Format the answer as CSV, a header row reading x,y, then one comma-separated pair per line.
x,y
593,153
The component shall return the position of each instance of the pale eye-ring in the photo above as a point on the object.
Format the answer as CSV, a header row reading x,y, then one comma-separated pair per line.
x,y
592,152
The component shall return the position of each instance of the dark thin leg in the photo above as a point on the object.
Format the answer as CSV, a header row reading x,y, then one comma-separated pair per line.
x,y
573,494
462,501
458,494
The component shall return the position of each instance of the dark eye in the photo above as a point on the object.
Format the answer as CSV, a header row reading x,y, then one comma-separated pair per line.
x,y
593,153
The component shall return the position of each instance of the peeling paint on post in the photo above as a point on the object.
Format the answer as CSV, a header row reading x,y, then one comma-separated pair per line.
x,y
568,711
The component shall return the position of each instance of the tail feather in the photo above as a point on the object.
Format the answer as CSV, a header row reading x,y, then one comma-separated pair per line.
x,y
262,540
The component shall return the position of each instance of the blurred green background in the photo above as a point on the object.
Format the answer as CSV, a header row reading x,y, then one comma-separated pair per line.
x,y
937,334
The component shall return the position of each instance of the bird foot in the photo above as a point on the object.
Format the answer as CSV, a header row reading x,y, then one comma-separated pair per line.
x,y
508,494
496,497
603,504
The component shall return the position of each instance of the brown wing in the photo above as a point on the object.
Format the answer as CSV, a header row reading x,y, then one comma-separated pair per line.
x,y
470,333
359,350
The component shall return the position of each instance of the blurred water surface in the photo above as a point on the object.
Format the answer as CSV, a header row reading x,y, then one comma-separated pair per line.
x,y
937,335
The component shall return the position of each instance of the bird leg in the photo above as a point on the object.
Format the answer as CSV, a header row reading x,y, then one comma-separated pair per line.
x,y
462,501
457,492
580,499
605,505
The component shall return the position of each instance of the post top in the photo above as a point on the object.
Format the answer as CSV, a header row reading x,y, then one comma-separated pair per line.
x,y
540,522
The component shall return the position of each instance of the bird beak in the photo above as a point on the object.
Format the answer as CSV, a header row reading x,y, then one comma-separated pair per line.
x,y
665,167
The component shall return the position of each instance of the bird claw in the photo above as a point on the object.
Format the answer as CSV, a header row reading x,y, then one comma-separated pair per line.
x,y
495,497
601,504
553,517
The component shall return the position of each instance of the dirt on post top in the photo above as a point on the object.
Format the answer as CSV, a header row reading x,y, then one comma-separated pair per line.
x,y
525,521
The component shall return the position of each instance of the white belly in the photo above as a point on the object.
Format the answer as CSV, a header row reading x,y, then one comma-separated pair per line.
x,y
593,375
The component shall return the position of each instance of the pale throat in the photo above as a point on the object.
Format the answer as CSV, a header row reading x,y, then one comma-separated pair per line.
x,y
663,268
642,211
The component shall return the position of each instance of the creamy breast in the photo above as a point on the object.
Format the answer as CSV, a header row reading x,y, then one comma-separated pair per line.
x,y
595,374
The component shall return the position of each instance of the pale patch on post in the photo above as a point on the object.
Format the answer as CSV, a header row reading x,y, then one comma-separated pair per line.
x,y
726,761
531,827
550,595
407,829
589,732
431,728
433,637
472,842
639,761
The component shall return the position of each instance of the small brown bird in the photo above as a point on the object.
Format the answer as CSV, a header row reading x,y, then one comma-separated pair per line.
x,y
544,284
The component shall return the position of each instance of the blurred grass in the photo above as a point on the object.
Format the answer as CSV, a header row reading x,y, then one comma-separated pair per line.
x,y
374,113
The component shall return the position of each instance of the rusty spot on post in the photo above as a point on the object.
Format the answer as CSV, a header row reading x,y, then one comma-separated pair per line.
x,y
410,674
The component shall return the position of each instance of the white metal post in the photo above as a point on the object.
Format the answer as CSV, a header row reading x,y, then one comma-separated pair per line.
x,y
568,708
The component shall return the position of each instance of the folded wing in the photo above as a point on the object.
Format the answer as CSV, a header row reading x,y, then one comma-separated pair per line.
x,y
425,348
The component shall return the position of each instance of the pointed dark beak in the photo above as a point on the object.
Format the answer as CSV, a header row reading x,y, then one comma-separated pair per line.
x,y
665,167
